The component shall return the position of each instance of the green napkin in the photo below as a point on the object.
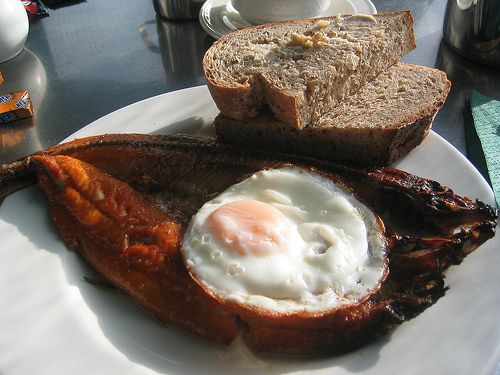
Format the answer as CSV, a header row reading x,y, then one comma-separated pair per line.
x,y
483,138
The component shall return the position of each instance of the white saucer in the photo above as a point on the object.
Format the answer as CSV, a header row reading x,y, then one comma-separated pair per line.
x,y
218,17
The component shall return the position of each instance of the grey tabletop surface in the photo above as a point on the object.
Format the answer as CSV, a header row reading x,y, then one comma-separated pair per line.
x,y
90,58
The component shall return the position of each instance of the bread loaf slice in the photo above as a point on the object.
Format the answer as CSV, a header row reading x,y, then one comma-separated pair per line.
x,y
383,121
302,69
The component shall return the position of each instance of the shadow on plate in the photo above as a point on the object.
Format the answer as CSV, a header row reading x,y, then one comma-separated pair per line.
x,y
191,125
139,337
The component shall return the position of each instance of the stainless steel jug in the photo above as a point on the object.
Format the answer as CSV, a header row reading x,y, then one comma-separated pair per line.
x,y
178,9
472,28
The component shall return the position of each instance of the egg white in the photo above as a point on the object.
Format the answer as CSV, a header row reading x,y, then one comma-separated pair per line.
x,y
335,249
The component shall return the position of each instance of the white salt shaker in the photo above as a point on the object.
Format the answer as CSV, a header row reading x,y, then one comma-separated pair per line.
x,y
14,27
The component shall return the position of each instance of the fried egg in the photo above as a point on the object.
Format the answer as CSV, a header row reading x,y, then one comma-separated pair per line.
x,y
286,240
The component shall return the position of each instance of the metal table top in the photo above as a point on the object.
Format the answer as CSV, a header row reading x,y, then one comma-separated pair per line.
x,y
88,59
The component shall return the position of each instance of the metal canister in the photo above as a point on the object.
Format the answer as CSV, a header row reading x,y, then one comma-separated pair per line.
x,y
472,28
178,9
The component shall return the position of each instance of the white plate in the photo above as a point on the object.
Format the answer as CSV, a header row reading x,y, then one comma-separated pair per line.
x,y
53,322
218,17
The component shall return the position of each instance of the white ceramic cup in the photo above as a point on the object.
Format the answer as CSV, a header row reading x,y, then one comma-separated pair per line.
x,y
14,26
262,11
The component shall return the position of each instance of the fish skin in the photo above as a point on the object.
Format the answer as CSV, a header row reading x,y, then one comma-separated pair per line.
x,y
176,174
131,243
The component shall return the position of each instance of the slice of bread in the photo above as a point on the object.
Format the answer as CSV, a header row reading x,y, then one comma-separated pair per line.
x,y
383,121
302,69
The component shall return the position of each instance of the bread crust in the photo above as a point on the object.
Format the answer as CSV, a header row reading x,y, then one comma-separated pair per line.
x,y
368,145
242,100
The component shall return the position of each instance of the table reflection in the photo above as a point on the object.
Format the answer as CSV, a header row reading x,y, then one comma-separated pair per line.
x,y
181,45
26,71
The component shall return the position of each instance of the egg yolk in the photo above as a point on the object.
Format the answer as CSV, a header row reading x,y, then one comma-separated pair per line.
x,y
249,227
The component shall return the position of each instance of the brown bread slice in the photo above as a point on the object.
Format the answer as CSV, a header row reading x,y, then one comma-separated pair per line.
x,y
302,69
385,120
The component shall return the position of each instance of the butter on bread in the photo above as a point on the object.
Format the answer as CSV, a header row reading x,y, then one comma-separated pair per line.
x,y
383,121
302,69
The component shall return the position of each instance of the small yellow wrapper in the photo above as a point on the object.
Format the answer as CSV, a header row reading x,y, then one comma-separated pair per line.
x,y
15,106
